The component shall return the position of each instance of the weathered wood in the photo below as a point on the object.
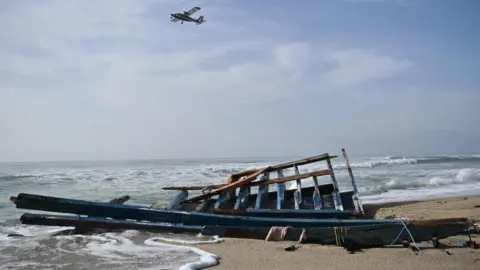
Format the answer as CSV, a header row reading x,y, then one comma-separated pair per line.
x,y
355,236
317,200
257,183
222,199
280,191
120,200
242,198
194,187
228,187
289,213
103,223
356,195
298,193
336,196
141,212
262,189
288,165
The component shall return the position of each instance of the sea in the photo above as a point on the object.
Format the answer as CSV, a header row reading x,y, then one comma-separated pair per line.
x,y
380,179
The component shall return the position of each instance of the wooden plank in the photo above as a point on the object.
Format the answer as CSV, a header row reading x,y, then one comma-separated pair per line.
x,y
317,200
228,187
288,213
262,189
242,198
337,200
257,183
356,195
298,193
222,199
280,191
287,165
336,193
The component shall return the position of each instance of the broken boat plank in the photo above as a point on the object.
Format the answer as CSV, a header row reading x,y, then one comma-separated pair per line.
x,y
228,187
288,213
257,183
287,165
103,223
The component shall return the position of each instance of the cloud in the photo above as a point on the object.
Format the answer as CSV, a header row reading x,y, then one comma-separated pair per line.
x,y
116,79
358,67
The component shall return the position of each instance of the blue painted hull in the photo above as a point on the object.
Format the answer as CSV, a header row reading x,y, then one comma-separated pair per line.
x,y
142,213
290,213
365,236
91,223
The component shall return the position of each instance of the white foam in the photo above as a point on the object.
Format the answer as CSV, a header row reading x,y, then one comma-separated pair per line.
x,y
215,240
207,259
114,248
30,264
424,193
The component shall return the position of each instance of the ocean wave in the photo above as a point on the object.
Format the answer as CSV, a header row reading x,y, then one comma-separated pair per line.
x,y
14,177
398,160
462,176
129,249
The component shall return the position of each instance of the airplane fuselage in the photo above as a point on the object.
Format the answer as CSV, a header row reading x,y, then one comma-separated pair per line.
x,y
186,16
183,17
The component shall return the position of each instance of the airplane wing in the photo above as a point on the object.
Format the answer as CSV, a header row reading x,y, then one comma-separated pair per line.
x,y
174,20
192,10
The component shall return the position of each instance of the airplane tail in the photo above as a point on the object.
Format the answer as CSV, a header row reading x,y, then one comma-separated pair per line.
x,y
200,20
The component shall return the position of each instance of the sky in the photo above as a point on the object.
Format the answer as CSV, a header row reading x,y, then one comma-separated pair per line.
x,y
115,79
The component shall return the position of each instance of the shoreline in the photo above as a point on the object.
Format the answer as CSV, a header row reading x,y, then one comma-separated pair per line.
x,y
236,254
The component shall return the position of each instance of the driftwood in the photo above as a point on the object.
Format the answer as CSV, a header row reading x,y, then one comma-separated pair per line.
x,y
229,187
257,183
286,165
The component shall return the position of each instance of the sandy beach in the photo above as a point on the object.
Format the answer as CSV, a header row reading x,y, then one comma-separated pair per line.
x,y
257,254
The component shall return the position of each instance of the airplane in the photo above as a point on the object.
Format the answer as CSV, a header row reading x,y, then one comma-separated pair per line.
x,y
185,16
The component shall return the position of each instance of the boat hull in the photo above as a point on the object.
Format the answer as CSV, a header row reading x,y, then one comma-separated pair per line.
x,y
91,223
142,213
361,236
365,236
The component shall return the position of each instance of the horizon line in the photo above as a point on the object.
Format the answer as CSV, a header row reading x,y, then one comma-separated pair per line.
x,y
232,157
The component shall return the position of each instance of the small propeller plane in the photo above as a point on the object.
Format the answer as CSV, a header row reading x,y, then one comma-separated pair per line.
x,y
185,16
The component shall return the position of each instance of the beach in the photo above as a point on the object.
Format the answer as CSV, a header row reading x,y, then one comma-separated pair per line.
x,y
239,254
381,180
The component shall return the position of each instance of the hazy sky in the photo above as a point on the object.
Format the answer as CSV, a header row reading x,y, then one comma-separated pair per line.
x,y
115,79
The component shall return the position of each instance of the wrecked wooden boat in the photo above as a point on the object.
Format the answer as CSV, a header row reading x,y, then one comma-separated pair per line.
x,y
373,235
319,213
142,213
233,198
315,201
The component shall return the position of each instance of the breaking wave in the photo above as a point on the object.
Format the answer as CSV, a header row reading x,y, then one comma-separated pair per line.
x,y
397,160
463,176
130,249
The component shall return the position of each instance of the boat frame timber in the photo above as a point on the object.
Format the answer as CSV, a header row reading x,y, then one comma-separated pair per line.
x,y
237,193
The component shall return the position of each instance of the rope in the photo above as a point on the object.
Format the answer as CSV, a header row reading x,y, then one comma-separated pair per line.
x,y
405,228
337,236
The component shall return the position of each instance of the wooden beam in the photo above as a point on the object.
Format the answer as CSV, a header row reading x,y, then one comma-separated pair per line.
x,y
280,191
257,183
228,187
287,165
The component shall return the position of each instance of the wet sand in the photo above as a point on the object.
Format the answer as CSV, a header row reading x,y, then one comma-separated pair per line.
x,y
258,254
